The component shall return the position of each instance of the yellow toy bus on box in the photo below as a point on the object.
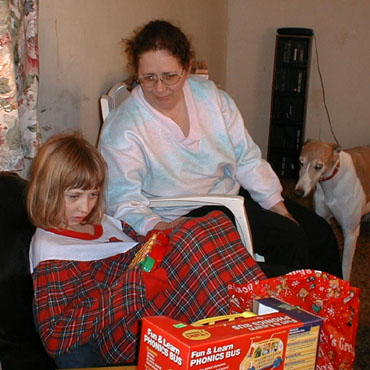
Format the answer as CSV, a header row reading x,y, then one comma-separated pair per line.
x,y
267,353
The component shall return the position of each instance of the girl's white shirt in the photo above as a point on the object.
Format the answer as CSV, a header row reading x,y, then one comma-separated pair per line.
x,y
47,245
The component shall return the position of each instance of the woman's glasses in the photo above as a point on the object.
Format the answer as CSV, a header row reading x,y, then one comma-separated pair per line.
x,y
168,78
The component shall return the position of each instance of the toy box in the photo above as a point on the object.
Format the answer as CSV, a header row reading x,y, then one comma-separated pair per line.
x,y
284,338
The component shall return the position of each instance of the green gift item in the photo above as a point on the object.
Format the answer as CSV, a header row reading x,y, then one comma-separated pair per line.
x,y
147,263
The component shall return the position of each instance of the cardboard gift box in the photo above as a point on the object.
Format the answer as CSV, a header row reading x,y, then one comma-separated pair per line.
x,y
281,336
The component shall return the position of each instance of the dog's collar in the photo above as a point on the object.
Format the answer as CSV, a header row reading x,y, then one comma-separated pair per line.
x,y
336,169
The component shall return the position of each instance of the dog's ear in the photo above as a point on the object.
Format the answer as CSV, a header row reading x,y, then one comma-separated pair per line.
x,y
336,147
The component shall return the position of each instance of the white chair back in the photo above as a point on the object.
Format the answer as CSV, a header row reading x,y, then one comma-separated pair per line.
x,y
113,99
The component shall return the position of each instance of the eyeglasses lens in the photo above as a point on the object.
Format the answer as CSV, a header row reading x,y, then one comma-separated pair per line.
x,y
168,79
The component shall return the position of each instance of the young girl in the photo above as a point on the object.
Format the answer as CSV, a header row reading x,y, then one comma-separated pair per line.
x,y
88,299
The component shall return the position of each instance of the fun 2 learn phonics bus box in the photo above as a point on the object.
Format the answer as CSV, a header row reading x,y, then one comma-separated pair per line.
x,y
284,338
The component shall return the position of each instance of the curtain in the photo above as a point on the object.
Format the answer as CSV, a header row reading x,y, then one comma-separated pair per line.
x,y
20,134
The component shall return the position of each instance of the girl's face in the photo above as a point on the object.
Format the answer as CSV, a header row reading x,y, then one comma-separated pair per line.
x,y
78,204
160,96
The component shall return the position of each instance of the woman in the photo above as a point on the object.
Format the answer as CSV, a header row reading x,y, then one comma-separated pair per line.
x,y
89,296
180,135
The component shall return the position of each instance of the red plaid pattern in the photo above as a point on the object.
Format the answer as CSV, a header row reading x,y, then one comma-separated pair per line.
x,y
101,300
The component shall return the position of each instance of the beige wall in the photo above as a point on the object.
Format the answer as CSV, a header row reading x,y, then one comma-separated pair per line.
x,y
80,57
80,52
341,28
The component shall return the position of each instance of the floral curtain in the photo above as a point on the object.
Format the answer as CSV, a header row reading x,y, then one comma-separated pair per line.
x,y
20,134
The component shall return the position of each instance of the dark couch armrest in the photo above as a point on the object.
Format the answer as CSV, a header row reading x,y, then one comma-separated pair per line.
x,y
20,345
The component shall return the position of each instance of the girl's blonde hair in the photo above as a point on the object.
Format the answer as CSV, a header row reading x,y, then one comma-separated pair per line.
x,y
65,161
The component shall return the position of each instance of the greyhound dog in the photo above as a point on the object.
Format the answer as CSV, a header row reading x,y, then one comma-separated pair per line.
x,y
341,179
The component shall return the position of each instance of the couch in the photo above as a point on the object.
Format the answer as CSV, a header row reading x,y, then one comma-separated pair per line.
x,y
20,345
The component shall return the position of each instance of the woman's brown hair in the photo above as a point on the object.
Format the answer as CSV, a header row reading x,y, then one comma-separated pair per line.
x,y
65,161
158,35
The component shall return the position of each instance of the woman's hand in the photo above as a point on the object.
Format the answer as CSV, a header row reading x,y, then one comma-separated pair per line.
x,y
168,225
281,209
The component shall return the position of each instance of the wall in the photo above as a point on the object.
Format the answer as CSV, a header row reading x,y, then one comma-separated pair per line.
x,y
81,55
341,28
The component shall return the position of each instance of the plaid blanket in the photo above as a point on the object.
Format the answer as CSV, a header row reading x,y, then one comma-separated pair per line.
x,y
76,302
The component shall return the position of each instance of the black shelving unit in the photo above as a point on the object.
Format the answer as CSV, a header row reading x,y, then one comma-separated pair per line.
x,y
289,98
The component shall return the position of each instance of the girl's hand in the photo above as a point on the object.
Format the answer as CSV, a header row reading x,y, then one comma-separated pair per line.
x,y
168,225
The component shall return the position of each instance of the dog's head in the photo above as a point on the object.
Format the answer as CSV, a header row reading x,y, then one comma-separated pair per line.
x,y
317,158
